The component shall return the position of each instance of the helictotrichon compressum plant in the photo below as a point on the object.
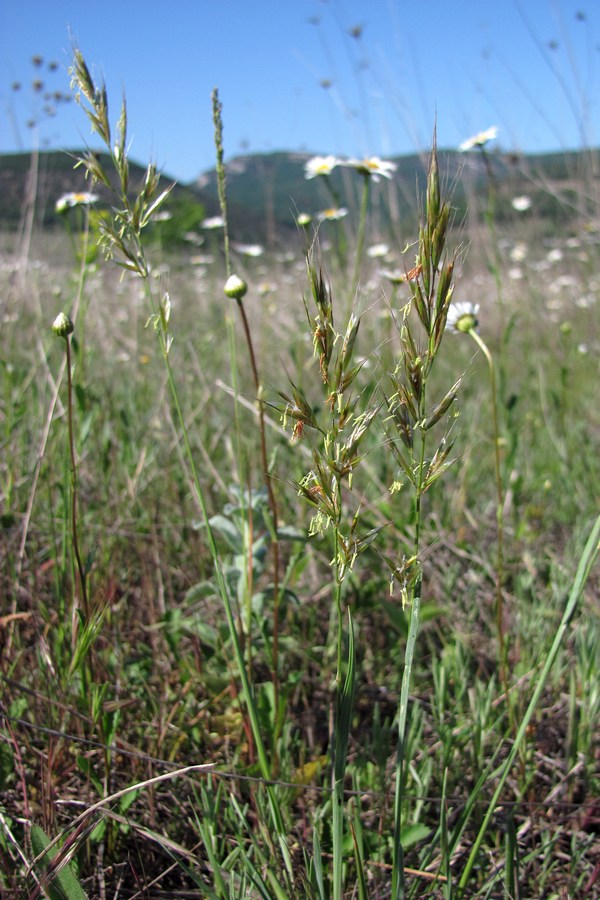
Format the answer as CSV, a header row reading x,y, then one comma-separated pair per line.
x,y
338,430
417,427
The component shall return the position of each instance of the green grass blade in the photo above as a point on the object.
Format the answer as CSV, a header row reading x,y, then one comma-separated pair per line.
x,y
398,853
340,750
316,864
586,562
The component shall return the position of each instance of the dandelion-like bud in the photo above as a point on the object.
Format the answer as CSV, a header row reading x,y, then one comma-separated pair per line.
x,y
62,325
235,287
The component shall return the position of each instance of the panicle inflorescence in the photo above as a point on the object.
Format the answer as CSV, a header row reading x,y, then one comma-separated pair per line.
x,y
338,428
120,232
348,415
431,287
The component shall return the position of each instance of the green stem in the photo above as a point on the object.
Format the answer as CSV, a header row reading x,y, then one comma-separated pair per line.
x,y
496,259
221,183
338,782
73,463
360,240
344,687
502,637
224,594
340,231
82,302
398,886
272,505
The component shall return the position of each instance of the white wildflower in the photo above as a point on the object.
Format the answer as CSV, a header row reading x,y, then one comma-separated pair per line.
x,y
378,250
249,249
320,165
212,222
75,198
480,139
522,203
462,317
332,214
372,166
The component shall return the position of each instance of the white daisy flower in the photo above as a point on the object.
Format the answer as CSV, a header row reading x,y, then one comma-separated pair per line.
x,y
521,204
378,250
320,165
519,252
75,198
332,214
462,317
396,276
373,166
249,249
480,139
212,222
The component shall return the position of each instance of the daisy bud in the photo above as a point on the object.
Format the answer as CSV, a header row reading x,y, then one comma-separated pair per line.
x,y
235,287
62,325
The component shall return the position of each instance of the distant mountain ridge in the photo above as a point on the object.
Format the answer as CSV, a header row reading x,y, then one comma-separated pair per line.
x,y
267,191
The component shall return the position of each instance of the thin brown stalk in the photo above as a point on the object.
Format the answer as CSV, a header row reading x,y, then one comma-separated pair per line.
x,y
272,500
75,538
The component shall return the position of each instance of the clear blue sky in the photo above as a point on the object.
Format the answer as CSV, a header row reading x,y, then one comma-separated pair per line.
x,y
531,67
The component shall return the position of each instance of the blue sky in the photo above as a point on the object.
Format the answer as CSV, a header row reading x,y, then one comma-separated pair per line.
x,y
325,76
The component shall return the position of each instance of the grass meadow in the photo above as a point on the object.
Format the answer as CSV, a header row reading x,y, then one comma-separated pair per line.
x,y
298,583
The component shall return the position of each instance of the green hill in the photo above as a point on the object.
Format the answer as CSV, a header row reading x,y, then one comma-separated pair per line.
x,y
266,192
